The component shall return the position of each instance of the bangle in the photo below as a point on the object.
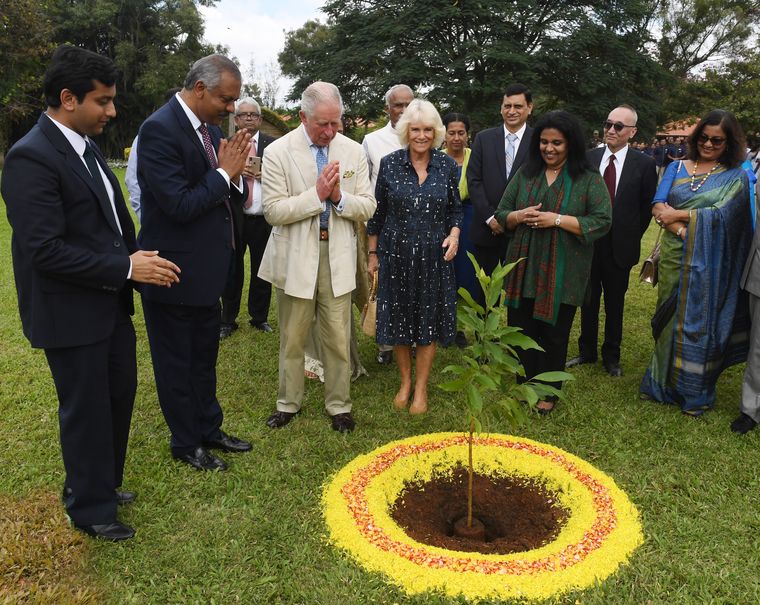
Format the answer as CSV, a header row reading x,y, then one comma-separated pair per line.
x,y
372,252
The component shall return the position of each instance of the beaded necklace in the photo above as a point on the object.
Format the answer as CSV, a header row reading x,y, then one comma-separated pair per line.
x,y
704,178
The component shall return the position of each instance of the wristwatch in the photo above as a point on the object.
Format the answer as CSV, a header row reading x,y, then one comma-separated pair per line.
x,y
558,220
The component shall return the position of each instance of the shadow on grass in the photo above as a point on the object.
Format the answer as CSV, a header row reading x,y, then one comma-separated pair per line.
x,y
42,559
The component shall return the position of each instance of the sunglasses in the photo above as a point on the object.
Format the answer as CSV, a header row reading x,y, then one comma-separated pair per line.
x,y
716,141
618,126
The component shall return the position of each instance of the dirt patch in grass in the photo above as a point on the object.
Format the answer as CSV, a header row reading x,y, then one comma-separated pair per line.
x,y
42,560
519,515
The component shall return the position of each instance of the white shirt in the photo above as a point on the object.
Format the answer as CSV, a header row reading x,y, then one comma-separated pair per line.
x,y
519,134
79,143
376,146
256,207
619,161
196,124
130,179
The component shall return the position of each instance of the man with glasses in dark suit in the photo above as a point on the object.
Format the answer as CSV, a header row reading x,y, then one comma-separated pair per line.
x,y
631,179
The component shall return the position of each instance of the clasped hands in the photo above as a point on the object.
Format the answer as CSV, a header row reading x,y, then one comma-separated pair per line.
x,y
328,183
535,219
149,268
233,154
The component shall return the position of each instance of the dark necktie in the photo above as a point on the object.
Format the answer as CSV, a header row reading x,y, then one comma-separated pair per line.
x,y
92,166
610,176
97,180
203,129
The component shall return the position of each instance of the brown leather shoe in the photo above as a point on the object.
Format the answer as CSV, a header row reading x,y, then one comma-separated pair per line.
x,y
279,419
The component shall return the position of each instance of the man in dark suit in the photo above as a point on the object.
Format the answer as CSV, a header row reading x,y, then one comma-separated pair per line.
x,y
190,177
74,259
631,179
251,230
497,153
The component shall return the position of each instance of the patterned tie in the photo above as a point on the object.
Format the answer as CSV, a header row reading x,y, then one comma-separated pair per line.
x,y
610,176
321,163
509,152
249,202
203,129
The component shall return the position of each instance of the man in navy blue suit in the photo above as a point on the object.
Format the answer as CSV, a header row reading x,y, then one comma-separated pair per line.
x,y
497,155
190,178
75,259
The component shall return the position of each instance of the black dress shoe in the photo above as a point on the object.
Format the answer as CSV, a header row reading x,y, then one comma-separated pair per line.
x,y
343,423
743,424
225,330
262,327
613,368
201,459
122,497
115,531
280,419
576,361
227,443
384,357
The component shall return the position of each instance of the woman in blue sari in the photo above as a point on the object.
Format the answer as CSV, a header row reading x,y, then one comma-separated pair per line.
x,y
701,324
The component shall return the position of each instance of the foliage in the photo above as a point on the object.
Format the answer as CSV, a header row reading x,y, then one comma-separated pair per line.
x,y
695,32
492,361
25,32
152,42
734,86
462,54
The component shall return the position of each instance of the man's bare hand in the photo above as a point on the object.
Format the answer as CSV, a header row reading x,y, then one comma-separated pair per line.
x,y
149,268
233,154
328,181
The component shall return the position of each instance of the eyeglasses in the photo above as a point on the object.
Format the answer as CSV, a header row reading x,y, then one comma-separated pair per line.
x,y
716,141
249,115
618,126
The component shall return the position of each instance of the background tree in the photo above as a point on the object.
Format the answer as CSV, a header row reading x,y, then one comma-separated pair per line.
x,y
25,44
152,42
583,56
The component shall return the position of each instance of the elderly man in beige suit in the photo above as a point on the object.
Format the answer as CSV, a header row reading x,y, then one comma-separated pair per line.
x,y
315,184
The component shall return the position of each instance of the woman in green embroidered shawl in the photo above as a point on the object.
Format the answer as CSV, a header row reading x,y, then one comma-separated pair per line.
x,y
553,210
701,321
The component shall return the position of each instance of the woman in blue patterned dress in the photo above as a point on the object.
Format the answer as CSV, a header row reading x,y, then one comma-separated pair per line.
x,y
413,238
701,323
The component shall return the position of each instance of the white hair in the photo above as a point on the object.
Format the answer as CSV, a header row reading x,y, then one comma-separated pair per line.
x,y
319,93
393,89
423,112
247,101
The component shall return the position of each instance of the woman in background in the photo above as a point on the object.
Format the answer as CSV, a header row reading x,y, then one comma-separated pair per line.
x,y
455,142
701,320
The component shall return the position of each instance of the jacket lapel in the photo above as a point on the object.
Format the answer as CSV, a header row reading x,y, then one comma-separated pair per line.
x,y
187,128
77,166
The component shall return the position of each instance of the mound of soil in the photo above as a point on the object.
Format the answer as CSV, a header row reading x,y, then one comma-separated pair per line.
x,y
518,515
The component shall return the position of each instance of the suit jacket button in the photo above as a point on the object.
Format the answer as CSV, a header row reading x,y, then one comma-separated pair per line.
x,y
116,244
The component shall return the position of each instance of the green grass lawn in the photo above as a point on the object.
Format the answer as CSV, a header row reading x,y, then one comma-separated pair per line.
x,y
255,534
